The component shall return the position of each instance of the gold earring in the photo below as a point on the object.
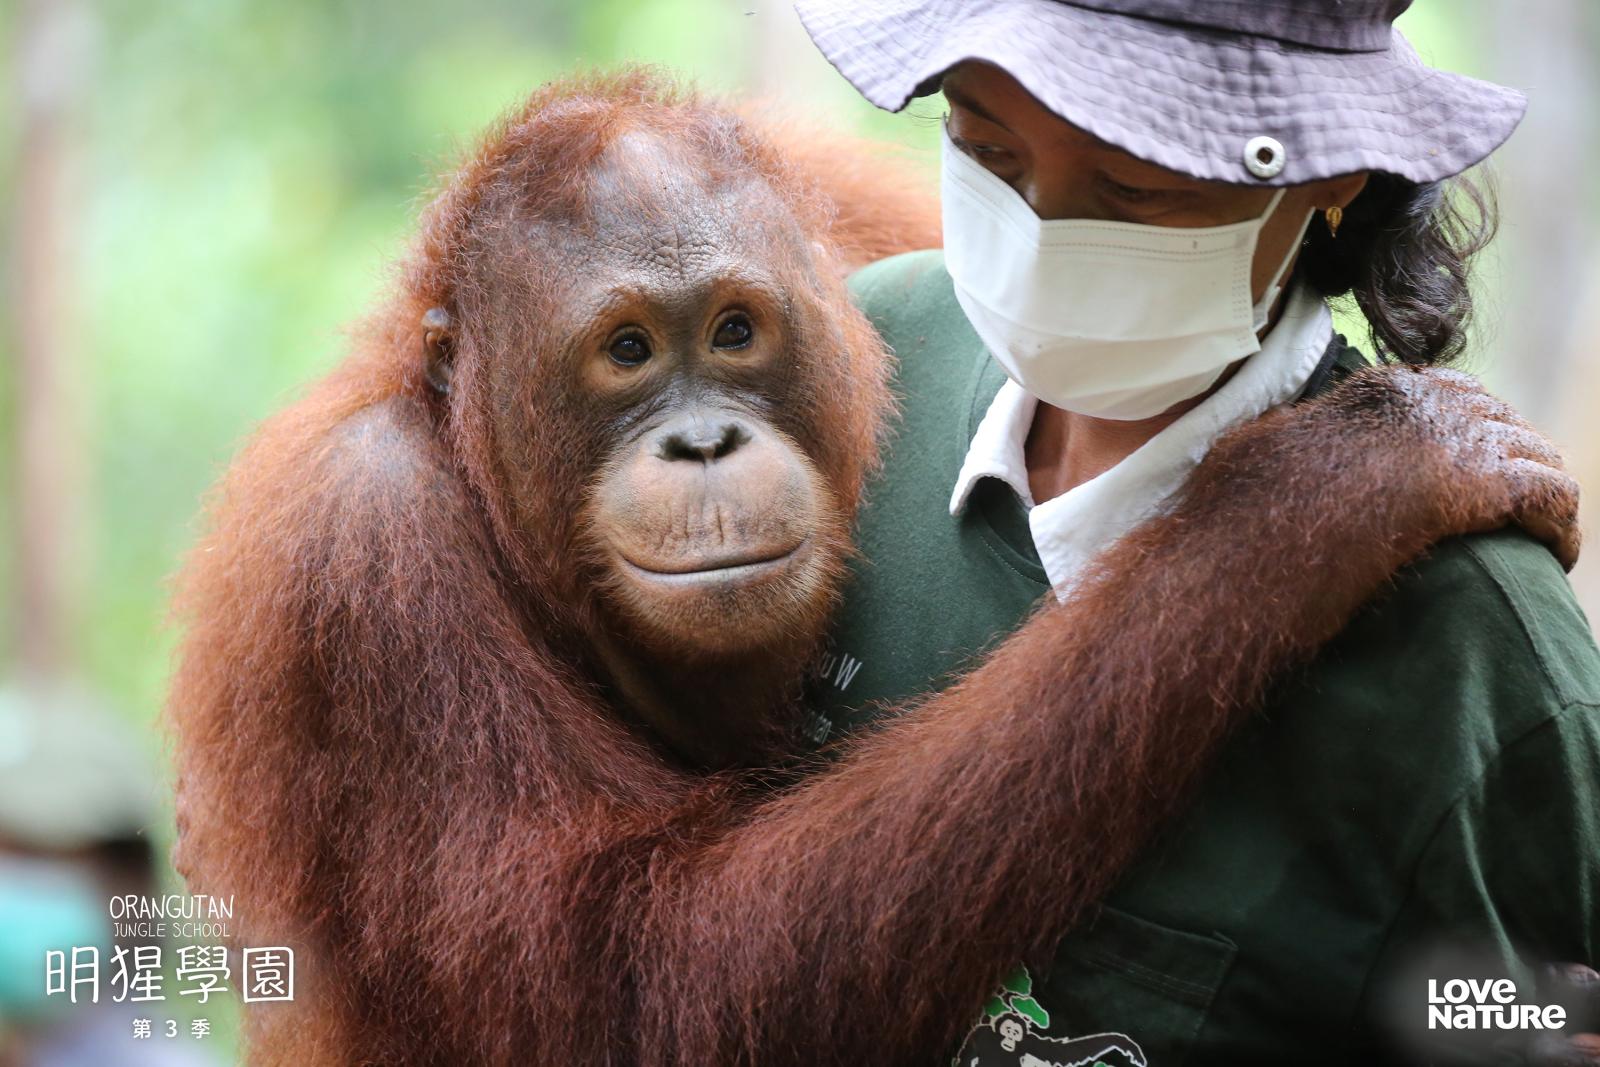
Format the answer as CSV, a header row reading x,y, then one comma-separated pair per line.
x,y
1334,215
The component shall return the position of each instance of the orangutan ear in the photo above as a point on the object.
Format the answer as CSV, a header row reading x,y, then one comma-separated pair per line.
x,y
438,349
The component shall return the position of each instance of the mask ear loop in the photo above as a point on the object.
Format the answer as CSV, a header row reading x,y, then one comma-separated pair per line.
x,y
1263,309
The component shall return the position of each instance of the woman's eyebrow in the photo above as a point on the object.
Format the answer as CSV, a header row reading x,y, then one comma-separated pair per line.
x,y
962,100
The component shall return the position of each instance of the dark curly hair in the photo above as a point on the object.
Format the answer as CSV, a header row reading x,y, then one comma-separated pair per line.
x,y
1403,254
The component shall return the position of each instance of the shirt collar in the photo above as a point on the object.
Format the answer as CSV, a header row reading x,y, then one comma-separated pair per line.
x,y
1071,528
997,446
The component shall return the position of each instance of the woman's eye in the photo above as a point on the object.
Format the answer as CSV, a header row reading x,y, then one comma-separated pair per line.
x,y
1130,193
736,332
630,351
988,153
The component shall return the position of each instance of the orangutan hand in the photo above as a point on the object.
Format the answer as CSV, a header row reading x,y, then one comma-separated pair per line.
x,y
1427,452
1483,438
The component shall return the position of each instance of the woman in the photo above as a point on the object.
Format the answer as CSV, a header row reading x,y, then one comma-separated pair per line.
x,y
1147,206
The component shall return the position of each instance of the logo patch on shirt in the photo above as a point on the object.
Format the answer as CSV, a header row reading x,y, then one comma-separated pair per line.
x,y
1011,1034
838,669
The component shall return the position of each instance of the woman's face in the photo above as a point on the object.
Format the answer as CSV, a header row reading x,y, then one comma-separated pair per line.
x,y
1065,173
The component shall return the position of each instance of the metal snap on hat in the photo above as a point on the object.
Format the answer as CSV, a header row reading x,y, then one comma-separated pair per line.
x,y
1266,92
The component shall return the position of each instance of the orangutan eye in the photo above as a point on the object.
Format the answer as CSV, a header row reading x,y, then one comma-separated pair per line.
x,y
630,350
735,332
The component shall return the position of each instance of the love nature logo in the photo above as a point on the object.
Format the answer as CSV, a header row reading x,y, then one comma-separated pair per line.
x,y
1487,1004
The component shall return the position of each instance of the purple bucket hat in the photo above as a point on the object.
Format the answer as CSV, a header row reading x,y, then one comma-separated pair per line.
x,y
1267,92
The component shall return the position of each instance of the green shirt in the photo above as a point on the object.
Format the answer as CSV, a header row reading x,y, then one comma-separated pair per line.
x,y
1420,802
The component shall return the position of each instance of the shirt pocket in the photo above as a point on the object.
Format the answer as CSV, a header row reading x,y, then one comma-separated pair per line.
x,y
1128,975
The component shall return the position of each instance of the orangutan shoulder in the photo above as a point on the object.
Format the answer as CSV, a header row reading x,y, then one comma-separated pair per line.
x,y
381,484
388,442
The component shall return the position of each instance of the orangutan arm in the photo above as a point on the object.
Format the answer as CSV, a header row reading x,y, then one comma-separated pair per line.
x,y
878,903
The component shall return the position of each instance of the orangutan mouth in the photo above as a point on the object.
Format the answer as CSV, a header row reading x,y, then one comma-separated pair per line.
x,y
724,570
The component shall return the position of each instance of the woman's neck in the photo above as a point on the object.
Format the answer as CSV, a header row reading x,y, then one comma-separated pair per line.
x,y
1065,449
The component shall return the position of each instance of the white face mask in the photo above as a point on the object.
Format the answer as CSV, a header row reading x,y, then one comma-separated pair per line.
x,y
1117,320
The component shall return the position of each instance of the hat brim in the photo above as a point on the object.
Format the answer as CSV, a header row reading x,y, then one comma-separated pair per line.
x,y
1184,98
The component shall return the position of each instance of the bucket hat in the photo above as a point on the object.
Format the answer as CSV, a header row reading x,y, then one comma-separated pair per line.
x,y
1267,92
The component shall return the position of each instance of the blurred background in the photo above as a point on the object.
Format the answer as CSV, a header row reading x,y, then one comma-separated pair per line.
x,y
199,194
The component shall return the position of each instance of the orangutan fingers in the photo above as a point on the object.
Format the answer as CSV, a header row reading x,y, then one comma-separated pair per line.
x,y
1490,486
1471,462
1484,434
1467,443
1520,441
1483,404
1488,406
1544,502
1442,390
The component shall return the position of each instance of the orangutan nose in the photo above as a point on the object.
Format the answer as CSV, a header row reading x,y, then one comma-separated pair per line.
x,y
701,440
